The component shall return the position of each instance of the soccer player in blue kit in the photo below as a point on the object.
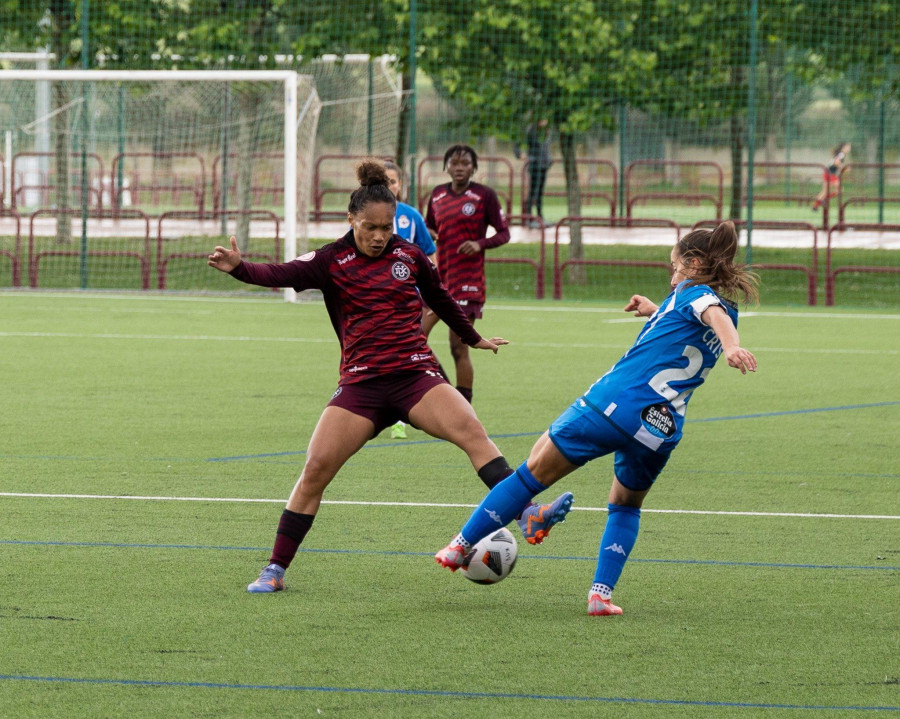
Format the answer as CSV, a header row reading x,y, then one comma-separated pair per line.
x,y
636,410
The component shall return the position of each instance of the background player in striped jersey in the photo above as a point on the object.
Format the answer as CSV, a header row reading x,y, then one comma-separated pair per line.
x,y
460,213
410,225
371,282
636,410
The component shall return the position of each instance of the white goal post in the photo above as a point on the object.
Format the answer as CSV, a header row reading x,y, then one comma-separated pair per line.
x,y
185,109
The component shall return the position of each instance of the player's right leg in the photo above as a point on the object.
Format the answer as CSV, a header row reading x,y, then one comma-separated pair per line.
x,y
338,435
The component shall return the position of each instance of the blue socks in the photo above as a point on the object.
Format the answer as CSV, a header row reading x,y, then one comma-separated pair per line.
x,y
502,504
617,542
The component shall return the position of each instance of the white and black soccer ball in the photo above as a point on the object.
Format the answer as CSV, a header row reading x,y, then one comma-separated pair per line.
x,y
492,559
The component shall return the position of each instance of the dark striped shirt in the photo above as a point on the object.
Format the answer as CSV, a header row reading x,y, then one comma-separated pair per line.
x,y
374,303
457,219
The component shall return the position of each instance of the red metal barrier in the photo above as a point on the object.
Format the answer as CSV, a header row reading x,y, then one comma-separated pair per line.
x,y
633,196
320,214
144,257
850,172
538,265
831,272
46,183
587,194
612,223
162,259
273,185
811,272
811,173
427,179
154,181
15,255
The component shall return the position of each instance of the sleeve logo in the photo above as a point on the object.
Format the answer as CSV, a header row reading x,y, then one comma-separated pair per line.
x,y
307,257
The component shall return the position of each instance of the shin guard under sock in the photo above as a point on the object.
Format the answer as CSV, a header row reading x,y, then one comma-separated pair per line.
x,y
502,504
292,528
617,542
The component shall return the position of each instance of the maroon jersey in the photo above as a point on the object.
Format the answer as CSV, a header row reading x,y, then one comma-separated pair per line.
x,y
456,219
374,303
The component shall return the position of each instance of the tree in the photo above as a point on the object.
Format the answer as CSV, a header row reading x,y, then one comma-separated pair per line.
x,y
507,60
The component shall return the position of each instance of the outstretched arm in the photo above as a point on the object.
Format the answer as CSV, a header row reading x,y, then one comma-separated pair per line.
x,y
641,306
736,356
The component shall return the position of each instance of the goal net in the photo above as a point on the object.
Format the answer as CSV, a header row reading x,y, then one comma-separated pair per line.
x,y
127,179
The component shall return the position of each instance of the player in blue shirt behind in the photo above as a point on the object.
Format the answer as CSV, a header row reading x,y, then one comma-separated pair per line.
x,y
410,225
636,410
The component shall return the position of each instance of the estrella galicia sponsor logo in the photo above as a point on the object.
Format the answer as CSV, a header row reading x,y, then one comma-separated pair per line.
x,y
346,258
403,222
400,271
658,420
357,368
419,357
337,392
307,257
468,209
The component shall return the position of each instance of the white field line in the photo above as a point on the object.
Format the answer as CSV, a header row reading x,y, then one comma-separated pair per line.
x,y
241,500
158,296
329,340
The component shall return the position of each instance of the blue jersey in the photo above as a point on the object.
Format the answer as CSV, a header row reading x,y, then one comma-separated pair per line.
x,y
645,394
410,225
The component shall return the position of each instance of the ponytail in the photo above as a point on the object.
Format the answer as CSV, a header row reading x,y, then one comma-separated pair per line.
x,y
716,251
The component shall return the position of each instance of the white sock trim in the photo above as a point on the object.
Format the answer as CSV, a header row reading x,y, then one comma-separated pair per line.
x,y
603,590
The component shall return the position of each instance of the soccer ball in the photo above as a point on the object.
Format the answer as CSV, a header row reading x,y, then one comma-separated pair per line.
x,y
492,559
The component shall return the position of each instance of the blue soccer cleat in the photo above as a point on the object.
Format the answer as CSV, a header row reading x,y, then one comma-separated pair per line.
x,y
271,579
538,519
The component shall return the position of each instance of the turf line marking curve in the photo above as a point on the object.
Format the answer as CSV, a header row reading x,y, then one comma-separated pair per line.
x,y
438,505
439,693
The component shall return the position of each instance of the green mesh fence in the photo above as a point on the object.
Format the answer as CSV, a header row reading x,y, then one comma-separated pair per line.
x,y
655,115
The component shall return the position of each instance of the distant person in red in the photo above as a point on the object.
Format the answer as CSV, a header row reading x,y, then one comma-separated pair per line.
x,y
831,178
460,213
371,280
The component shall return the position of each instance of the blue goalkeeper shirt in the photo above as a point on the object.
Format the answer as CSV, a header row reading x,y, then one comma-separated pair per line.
x,y
645,394
410,225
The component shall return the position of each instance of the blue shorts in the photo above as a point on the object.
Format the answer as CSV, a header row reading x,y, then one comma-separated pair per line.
x,y
582,434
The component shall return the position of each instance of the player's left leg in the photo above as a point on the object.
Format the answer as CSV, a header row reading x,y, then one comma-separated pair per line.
x,y
465,371
636,470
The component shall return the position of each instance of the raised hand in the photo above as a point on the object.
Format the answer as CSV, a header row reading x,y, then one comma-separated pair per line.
x,y
225,260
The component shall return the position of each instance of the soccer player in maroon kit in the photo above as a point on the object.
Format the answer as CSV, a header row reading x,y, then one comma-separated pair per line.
x,y
460,212
371,281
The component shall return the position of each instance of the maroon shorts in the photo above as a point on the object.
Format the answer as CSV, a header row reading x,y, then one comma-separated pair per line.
x,y
385,399
472,310
831,179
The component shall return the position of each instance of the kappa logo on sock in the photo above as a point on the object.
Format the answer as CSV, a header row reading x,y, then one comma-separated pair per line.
x,y
615,547
493,515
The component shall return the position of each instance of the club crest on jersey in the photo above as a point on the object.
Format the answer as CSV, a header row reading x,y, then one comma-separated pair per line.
x,y
400,271
658,420
403,222
337,392
468,209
